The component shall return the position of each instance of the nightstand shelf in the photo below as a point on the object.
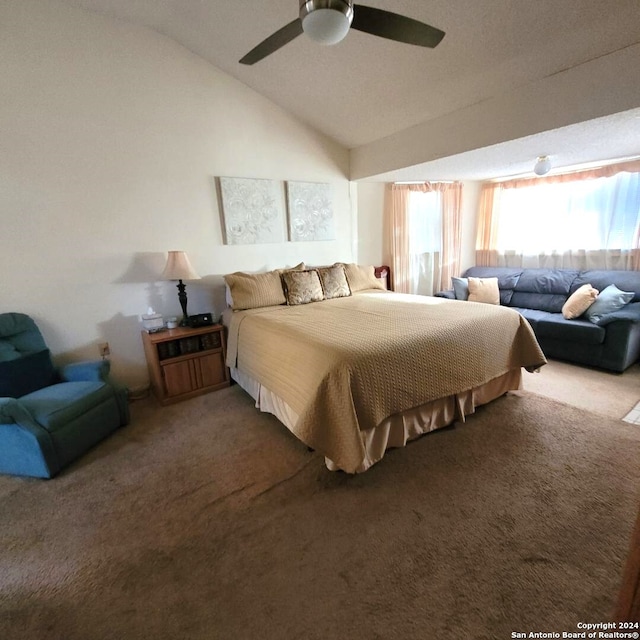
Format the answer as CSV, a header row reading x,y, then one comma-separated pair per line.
x,y
185,362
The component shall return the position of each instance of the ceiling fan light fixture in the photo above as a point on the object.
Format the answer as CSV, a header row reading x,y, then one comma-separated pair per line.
x,y
326,21
542,166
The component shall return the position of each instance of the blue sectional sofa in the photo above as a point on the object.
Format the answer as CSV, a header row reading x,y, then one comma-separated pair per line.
x,y
539,295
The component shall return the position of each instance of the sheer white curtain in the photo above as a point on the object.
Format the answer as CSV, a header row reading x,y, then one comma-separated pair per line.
x,y
583,220
423,235
425,241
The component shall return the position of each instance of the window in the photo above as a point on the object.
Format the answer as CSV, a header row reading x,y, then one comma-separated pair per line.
x,y
422,223
425,240
567,216
583,220
425,222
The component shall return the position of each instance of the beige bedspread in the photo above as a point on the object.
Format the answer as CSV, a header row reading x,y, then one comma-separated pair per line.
x,y
344,365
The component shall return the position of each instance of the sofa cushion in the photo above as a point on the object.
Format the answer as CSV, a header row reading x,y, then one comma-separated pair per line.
x,y
19,335
601,279
609,300
55,406
544,289
26,374
550,302
507,279
548,281
533,316
559,328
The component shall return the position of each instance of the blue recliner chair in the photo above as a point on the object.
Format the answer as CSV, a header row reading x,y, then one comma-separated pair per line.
x,y
49,417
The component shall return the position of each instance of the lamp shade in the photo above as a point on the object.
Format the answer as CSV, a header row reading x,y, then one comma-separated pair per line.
x,y
542,166
326,21
178,267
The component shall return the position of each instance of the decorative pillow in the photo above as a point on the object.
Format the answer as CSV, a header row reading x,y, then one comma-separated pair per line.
x,y
360,277
334,282
610,299
302,287
579,301
484,290
460,288
26,374
253,290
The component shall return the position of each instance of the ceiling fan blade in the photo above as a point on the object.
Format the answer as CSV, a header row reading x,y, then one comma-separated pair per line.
x,y
274,42
394,27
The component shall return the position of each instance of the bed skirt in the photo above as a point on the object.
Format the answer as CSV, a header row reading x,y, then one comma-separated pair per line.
x,y
400,428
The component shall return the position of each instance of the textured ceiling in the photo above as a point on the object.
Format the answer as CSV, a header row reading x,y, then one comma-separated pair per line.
x,y
367,88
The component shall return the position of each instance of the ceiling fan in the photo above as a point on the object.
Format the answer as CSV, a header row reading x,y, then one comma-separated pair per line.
x,y
329,21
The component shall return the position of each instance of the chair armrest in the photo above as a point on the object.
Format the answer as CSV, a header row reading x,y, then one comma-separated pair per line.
x,y
26,448
90,370
630,313
12,411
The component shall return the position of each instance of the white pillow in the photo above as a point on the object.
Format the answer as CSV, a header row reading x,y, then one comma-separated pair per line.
x,y
484,290
579,301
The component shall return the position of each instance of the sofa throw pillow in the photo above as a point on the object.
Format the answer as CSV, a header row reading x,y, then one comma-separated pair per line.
x,y
610,299
484,290
460,288
334,282
26,374
579,301
302,287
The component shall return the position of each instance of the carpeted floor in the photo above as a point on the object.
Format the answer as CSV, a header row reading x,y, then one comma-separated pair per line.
x,y
606,393
207,520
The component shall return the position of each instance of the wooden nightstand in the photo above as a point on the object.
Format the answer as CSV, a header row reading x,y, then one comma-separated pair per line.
x,y
185,362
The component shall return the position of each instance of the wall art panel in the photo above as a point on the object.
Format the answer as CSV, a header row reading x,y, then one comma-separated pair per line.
x,y
253,210
310,211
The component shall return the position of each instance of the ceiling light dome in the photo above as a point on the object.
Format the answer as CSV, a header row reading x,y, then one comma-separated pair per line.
x,y
326,21
542,166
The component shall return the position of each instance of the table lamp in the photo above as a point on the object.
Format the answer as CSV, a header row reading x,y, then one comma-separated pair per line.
x,y
179,268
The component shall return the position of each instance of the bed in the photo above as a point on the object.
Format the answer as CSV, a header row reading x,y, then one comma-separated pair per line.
x,y
354,375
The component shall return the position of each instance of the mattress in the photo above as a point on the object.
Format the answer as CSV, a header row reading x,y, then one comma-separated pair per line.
x,y
339,372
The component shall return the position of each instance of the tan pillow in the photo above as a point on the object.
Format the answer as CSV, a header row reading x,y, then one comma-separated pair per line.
x,y
298,267
334,282
302,287
360,277
253,290
579,301
484,290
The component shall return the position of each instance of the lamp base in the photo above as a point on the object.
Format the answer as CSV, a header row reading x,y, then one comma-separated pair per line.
x,y
182,297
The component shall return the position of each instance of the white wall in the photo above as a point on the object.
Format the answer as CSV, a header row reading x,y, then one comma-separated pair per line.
x,y
470,204
370,223
110,139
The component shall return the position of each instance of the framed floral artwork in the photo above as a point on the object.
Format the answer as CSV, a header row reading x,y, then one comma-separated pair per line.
x,y
310,211
253,210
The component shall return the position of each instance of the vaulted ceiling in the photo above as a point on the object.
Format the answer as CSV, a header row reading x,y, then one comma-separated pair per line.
x,y
366,88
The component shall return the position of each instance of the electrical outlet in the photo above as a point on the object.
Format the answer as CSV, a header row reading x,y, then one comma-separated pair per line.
x,y
103,348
